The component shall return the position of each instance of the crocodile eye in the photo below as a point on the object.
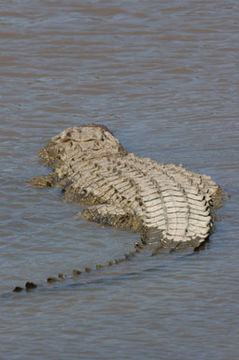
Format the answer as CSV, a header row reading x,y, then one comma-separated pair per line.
x,y
83,193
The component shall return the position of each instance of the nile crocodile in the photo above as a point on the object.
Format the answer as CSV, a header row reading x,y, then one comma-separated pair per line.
x,y
166,204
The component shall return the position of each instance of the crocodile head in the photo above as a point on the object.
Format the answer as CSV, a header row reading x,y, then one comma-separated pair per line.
x,y
88,140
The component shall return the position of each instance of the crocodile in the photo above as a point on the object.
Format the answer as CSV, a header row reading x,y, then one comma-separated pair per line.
x,y
165,203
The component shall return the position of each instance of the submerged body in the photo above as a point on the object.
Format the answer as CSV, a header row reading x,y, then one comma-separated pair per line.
x,y
164,203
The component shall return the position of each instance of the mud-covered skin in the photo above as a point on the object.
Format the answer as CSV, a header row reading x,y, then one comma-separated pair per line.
x,y
166,204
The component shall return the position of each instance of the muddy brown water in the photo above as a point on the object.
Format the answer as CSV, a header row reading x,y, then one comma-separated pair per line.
x,y
163,76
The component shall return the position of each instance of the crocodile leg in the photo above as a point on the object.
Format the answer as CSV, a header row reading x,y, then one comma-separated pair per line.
x,y
42,181
108,214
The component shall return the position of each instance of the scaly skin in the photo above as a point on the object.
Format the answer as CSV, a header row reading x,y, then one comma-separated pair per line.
x,y
166,204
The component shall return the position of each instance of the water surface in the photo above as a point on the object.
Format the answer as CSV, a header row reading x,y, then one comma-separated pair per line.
x,y
163,76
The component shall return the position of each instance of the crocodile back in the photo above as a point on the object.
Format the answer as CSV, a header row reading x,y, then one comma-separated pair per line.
x,y
165,203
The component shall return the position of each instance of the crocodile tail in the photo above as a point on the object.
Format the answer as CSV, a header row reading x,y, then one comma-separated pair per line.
x,y
30,285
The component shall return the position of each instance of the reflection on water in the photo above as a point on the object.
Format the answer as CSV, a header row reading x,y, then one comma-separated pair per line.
x,y
164,77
